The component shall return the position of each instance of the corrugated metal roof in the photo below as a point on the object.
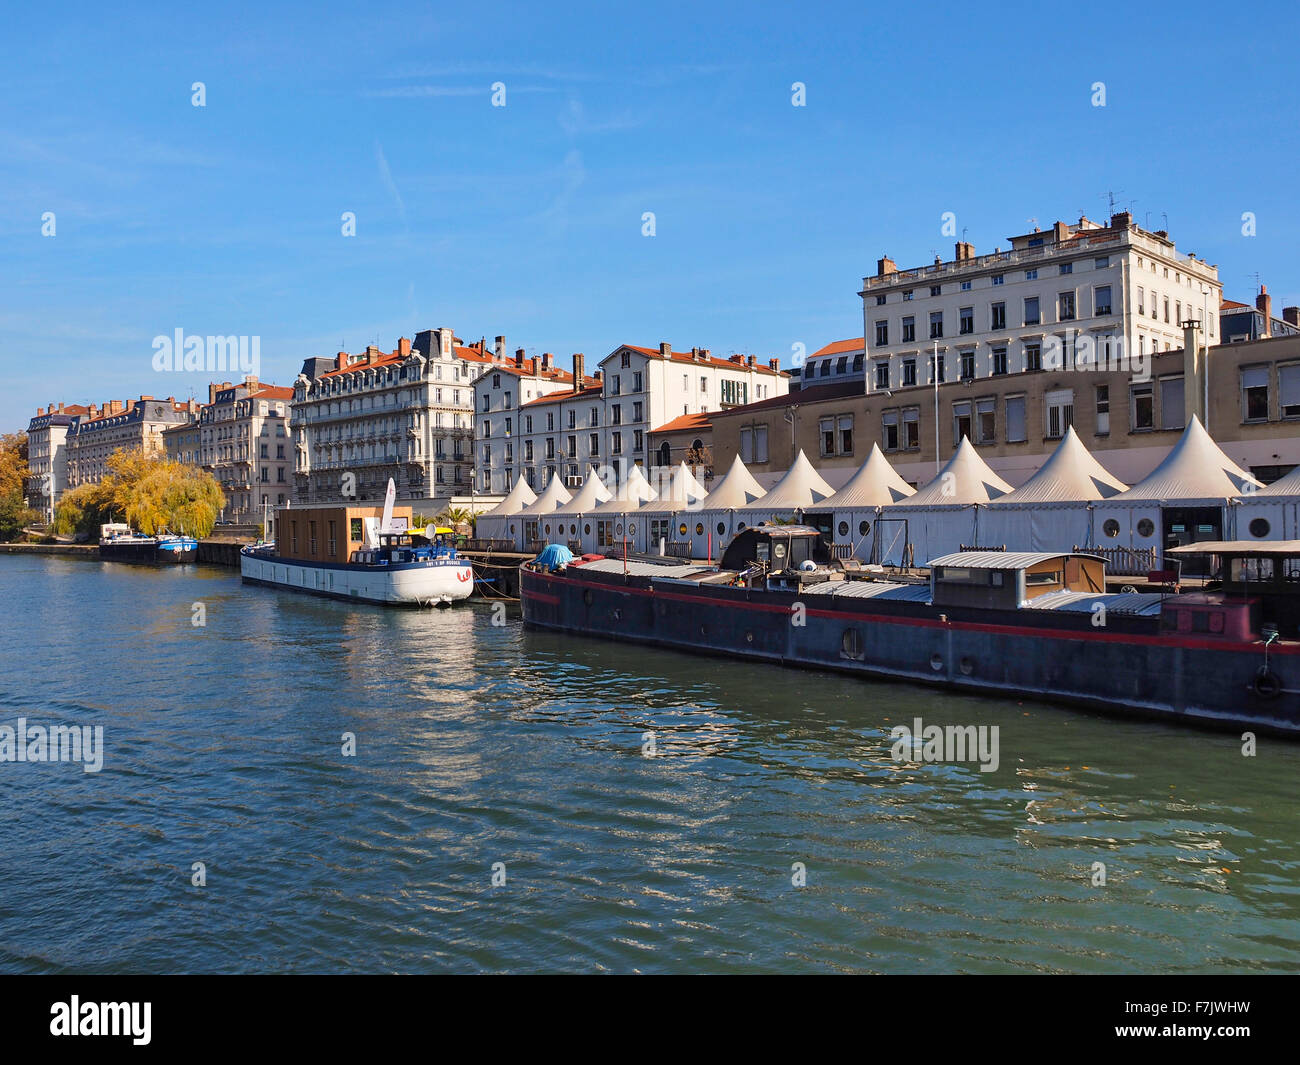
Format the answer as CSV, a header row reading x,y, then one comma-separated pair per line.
x,y
909,593
1220,547
1138,603
997,559
641,569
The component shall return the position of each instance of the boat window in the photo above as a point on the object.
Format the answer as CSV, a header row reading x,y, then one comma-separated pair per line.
x,y
1252,569
1049,577
778,550
763,552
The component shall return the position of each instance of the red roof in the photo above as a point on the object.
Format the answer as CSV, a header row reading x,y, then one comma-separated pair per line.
x,y
736,362
470,354
592,391
273,392
851,386
532,367
1232,305
839,346
685,423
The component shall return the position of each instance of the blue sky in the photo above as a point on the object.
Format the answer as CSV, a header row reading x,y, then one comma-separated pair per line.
x,y
526,219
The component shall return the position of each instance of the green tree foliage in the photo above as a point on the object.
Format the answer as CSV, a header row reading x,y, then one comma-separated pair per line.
x,y
150,493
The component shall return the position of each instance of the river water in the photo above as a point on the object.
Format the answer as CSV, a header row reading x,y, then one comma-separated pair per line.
x,y
500,812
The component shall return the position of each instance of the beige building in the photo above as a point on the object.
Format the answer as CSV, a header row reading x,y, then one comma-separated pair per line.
x,y
687,438
120,425
47,456
1016,420
244,443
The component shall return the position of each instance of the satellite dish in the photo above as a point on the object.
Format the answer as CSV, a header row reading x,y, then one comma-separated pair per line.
x,y
430,531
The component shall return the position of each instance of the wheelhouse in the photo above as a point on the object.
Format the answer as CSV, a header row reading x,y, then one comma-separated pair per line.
x,y
1006,579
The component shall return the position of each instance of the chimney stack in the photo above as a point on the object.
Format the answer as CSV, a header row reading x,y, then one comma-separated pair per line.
x,y
501,349
665,351
519,357
445,338
1121,220
579,371
546,360
964,251
775,364
1194,369
886,266
1290,315
251,383
749,359
1264,304
403,346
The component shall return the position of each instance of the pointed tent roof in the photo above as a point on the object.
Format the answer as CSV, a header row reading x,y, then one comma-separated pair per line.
x,y
553,496
1283,486
589,496
683,491
965,479
736,489
1070,474
801,486
516,499
1195,468
876,484
634,491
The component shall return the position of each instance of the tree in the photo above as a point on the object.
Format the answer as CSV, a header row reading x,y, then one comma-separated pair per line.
x,y
82,510
14,513
458,516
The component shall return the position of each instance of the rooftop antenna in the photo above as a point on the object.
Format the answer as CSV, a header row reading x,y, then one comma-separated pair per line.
x,y
1164,218
963,234
1146,220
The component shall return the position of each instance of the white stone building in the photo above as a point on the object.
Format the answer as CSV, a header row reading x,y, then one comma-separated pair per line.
x,y
47,456
244,442
358,420
607,423
121,425
1082,290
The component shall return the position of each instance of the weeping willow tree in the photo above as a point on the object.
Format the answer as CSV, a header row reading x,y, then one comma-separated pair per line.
x,y
150,493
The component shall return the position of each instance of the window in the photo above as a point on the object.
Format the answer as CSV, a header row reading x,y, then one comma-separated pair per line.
x,y
935,290
636,410
1101,300
985,421
909,372
1166,303
1101,262
845,425
965,286
880,301
1031,275
882,333
550,421
966,320
827,427
753,444
1065,306
998,279
1060,412
616,415
1288,382
573,419
1171,403
1033,356
626,359
907,295
961,421
1032,314
1142,403
615,385
1103,410
1067,268
968,365
573,447
912,428
636,440
999,361
636,381
942,374
1015,415
909,330
616,444
889,431
1254,394
936,324
998,316
882,374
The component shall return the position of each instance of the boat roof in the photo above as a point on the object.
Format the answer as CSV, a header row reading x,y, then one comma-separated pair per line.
x,y
894,590
641,569
1237,547
1005,559
1133,603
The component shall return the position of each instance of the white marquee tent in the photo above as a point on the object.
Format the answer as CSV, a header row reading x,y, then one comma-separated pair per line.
x,y
719,513
800,488
610,520
665,517
1272,512
535,519
571,517
501,522
855,507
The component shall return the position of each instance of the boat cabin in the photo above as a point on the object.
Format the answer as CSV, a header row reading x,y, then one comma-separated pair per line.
x,y
1261,570
1006,579
777,549
332,533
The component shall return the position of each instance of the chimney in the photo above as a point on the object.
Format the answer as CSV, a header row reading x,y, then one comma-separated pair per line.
x,y
964,251
94,411
1289,314
775,364
1194,369
403,346
749,360
1121,220
579,370
546,360
341,360
1060,231
519,357
445,338
665,351
501,349
1264,304
251,383
886,266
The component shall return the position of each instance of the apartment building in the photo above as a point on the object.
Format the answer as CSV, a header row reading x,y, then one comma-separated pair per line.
x,y
358,420
183,442
1075,295
1240,321
499,393
687,438
838,361
608,424
245,443
1016,420
120,425
47,456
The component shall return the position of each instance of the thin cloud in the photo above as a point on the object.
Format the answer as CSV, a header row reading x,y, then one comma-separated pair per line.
x,y
386,175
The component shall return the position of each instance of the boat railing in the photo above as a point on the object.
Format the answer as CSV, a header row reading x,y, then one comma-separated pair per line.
x,y
1124,561
841,551
678,549
486,544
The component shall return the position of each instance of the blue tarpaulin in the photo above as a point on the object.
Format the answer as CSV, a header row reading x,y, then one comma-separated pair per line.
x,y
554,557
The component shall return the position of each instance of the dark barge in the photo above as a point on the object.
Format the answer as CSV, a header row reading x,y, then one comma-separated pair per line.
x,y
1037,625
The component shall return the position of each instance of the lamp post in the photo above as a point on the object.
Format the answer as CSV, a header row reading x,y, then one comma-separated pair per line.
x,y
1205,349
934,375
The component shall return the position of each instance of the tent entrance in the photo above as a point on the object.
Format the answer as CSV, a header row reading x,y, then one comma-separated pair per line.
x,y
889,542
1188,525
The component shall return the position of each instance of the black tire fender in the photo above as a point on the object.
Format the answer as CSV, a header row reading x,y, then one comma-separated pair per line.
x,y
1267,684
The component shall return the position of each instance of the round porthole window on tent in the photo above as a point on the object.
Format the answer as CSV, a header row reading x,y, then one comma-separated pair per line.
x,y
586,529
722,528
548,530
631,529
864,527
1146,528
740,526
1111,528
619,528
844,528
1259,528
699,528
681,529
